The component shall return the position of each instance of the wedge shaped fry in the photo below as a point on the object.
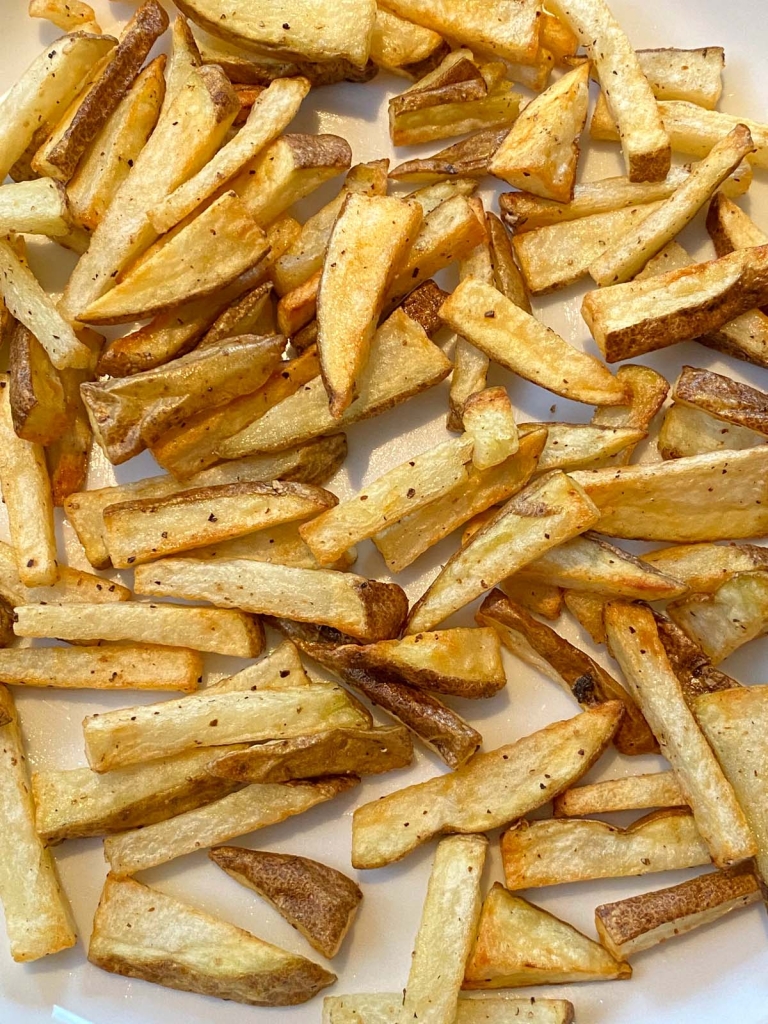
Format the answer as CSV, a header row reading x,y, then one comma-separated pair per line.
x,y
102,668
541,151
490,422
572,669
634,642
490,790
318,901
349,750
363,608
37,918
234,815
734,614
403,362
191,127
730,227
647,391
402,490
703,498
383,1007
79,802
443,941
559,851
640,922
587,608
723,397
404,48
547,513
243,316
628,254
644,140
38,401
67,457
149,528
142,933
368,242
131,413
520,944
521,343
704,567
401,543
466,159
572,446
633,793
199,629
687,431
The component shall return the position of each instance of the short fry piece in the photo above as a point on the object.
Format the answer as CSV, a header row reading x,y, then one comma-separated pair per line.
x,y
38,401
572,446
102,668
687,430
693,669
404,48
730,227
633,793
466,159
490,422
646,390
65,14
734,614
720,396
705,567
37,207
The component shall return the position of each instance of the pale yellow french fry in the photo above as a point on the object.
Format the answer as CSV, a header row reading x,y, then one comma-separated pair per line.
x,y
383,1007
646,390
102,668
37,207
687,431
734,614
470,365
675,74
730,227
403,47
705,567
68,15
572,446
490,421
633,793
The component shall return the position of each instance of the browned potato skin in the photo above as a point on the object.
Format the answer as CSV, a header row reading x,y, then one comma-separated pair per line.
x,y
467,159
38,400
693,669
423,306
723,397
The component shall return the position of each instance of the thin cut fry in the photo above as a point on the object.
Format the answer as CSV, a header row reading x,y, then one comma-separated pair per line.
x,y
467,159
102,668
383,1008
633,793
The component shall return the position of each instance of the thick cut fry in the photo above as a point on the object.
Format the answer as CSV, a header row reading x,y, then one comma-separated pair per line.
x,y
734,614
149,528
547,513
644,140
363,608
45,90
403,362
466,159
640,922
687,431
705,567
628,254
572,446
647,391
730,227
560,851
521,343
142,933
383,1008
72,586
404,48
131,413
404,489
342,751
490,422
38,401
36,915
520,944
102,668
707,497
634,793
317,900
200,629
673,74
634,642
541,151
27,496
446,932
368,242
235,815
490,790
402,542
572,669
36,207
723,397
189,130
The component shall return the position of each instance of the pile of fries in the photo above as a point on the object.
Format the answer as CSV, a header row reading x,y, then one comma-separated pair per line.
x,y
261,341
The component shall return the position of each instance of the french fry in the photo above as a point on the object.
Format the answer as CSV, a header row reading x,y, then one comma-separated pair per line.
x,y
184,57
403,362
368,242
401,543
383,1007
730,228
190,129
200,629
105,166
572,669
470,365
234,815
687,431
404,48
633,793
520,944
545,514
634,642
404,489
102,668
734,614
704,567
366,609
243,316
423,306
647,391
467,159
514,338
673,74
644,140
534,76
37,918
587,608
142,933
442,945
36,393
284,880
505,270
131,413
45,90
572,446
67,457
538,598
702,498
722,397
36,207
349,750
489,420
70,15
693,669
560,850
557,38
71,586
627,255
506,781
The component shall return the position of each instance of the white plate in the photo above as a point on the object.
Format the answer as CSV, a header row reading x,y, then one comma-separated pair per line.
x,y
714,974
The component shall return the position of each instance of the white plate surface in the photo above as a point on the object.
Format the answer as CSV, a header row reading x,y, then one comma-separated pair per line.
x,y
716,974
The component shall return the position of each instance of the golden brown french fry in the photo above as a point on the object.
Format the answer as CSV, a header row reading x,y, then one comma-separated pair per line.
x,y
507,782
200,953
572,446
704,567
423,306
200,629
633,793
730,227
560,850
65,14
470,365
466,159
403,47
634,642
687,431
647,391
722,397
37,918
383,1007
538,598
520,944
489,420
587,608
38,402
37,207
734,614
674,74
644,140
